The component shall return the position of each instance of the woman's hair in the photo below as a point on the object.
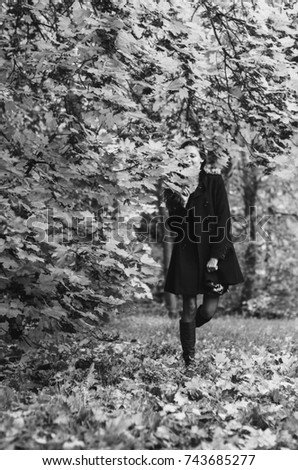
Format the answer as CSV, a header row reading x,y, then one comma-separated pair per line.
x,y
188,143
203,177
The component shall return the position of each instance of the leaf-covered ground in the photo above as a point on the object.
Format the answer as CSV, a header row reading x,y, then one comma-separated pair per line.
x,y
129,391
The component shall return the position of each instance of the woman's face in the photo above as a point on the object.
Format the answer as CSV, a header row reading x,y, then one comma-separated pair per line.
x,y
192,153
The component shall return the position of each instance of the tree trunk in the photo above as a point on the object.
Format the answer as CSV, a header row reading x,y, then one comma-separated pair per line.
x,y
250,189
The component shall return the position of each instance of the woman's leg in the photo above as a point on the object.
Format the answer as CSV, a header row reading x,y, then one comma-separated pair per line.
x,y
189,308
207,310
187,327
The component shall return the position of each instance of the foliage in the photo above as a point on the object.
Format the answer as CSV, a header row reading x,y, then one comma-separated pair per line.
x,y
276,244
92,96
129,391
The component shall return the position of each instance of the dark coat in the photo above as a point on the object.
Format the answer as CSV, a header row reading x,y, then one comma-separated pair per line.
x,y
203,231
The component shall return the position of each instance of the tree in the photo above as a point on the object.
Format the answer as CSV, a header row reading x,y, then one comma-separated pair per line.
x,y
96,99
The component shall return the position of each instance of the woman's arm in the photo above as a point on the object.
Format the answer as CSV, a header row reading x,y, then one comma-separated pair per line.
x,y
220,242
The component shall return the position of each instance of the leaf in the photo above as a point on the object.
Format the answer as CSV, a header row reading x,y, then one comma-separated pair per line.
x,y
132,271
220,358
55,311
74,444
162,432
262,440
111,300
287,41
65,26
145,259
168,408
8,263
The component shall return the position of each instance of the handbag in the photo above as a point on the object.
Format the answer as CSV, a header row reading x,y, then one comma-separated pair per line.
x,y
213,285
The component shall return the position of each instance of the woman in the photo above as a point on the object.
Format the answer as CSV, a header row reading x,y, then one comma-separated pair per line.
x,y
203,248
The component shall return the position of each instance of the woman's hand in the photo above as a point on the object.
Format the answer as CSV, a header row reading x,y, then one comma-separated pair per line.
x,y
185,195
212,264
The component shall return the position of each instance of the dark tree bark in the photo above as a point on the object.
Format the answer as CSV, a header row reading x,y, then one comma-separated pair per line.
x,y
250,190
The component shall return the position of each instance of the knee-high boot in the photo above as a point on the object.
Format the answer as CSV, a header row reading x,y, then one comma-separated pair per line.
x,y
200,320
188,341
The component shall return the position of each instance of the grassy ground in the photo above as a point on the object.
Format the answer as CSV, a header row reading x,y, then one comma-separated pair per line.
x,y
130,391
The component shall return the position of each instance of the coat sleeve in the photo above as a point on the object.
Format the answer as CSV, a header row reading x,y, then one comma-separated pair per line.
x,y
221,242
